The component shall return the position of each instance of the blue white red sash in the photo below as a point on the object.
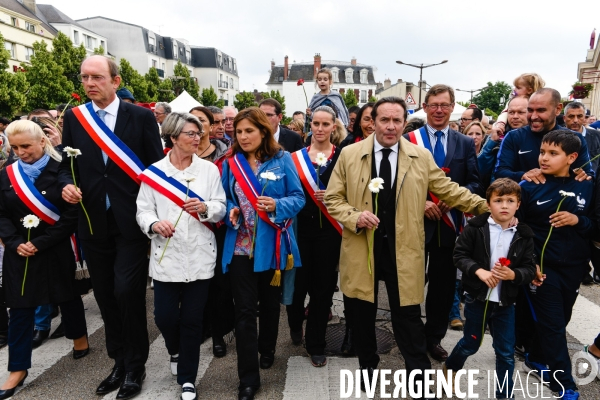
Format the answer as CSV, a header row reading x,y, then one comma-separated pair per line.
x,y
30,196
171,188
110,143
252,188
420,137
308,177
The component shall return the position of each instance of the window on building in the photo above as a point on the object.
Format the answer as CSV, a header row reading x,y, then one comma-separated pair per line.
x,y
188,57
28,53
163,66
11,48
154,64
220,60
90,42
349,75
151,41
336,74
231,83
29,26
175,51
14,21
234,65
76,38
363,76
363,96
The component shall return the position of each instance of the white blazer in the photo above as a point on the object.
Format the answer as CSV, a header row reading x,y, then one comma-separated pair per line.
x,y
192,251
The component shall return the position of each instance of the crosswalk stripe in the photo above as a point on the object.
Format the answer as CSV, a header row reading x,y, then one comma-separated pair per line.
x,y
53,350
584,324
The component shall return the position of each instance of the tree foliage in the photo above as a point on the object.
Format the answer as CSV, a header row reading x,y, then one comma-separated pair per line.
x,y
48,84
244,100
12,86
153,81
69,58
350,98
493,96
134,81
165,91
209,98
372,99
188,84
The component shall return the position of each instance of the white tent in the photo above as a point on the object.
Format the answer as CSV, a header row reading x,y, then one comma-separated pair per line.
x,y
456,114
184,103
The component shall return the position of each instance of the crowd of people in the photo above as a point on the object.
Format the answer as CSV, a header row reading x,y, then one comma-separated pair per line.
x,y
232,215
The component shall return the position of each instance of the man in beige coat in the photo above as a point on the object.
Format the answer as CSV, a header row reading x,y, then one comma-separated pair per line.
x,y
398,255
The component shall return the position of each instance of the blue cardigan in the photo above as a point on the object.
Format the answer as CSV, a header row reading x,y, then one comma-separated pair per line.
x,y
289,200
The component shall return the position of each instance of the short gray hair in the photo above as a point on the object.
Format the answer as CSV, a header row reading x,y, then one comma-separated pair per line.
x,y
230,108
574,105
174,123
165,106
215,110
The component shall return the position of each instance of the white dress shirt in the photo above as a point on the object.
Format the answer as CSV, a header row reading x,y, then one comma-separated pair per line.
x,y
433,139
499,244
110,119
276,134
393,157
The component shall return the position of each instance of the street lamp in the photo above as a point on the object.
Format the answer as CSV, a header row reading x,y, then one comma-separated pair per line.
x,y
421,67
471,91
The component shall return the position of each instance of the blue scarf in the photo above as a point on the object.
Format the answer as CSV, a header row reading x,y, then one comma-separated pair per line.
x,y
34,170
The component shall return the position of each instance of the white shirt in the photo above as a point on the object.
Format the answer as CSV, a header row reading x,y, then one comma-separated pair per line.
x,y
433,139
192,251
499,245
583,131
393,157
276,134
110,119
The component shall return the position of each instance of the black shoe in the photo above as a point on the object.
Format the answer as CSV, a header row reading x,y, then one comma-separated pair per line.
x,y
54,313
348,345
39,337
369,374
219,347
77,354
247,393
3,339
112,382
587,279
58,332
132,385
296,337
8,393
266,360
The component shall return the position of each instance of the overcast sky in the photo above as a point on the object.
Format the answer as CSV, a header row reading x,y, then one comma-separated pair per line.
x,y
481,42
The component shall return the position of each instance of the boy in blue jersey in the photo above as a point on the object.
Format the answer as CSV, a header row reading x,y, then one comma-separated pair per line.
x,y
563,253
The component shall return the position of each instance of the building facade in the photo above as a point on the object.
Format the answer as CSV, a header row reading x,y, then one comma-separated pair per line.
x,y
589,72
346,76
405,90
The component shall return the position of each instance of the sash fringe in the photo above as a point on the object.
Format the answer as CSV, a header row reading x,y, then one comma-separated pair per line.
x,y
79,272
86,272
290,262
276,281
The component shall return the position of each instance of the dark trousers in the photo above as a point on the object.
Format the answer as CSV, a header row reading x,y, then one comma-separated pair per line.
x,y
20,331
409,330
553,305
178,309
219,316
248,289
3,313
119,268
501,320
524,324
441,274
317,278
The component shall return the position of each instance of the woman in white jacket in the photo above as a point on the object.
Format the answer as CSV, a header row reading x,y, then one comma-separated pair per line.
x,y
180,196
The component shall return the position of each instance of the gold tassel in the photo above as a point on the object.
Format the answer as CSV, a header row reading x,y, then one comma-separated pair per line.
x,y
276,281
290,262
86,272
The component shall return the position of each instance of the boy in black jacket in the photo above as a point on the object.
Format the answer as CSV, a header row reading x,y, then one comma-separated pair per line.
x,y
566,255
495,259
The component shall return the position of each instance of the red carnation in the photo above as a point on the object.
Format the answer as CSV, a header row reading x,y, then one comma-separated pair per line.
x,y
505,262
446,170
76,96
300,82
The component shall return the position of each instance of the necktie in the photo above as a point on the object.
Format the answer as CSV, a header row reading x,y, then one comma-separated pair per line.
x,y
102,114
385,172
438,152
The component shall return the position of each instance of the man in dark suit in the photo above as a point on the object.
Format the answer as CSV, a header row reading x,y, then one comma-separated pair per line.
x,y
288,139
456,152
117,251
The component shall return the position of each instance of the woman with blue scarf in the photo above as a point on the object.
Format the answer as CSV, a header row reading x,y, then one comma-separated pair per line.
x,y
48,254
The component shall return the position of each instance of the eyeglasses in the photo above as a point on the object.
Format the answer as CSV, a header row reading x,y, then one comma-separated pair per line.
x,y
93,78
466,119
444,107
229,119
191,134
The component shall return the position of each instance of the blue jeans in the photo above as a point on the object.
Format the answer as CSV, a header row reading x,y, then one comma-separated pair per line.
x,y
42,317
502,326
455,310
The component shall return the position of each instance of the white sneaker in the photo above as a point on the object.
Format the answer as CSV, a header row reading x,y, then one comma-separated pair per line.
x,y
174,361
188,392
586,350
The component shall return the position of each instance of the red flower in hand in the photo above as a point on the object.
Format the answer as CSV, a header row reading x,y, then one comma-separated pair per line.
x,y
76,96
446,170
505,262
300,82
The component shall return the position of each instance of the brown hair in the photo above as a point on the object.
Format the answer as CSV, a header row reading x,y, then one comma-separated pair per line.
x,y
531,80
326,71
439,89
272,102
268,147
299,124
206,111
503,187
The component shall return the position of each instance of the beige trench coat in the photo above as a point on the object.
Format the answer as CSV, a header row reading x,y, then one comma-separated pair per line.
x,y
347,196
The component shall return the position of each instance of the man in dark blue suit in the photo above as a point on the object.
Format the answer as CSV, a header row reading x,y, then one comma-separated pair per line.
x,y
117,251
455,153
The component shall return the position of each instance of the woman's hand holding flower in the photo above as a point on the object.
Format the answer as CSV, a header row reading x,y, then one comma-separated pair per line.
x,y
320,195
193,205
164,228
266,204
26,249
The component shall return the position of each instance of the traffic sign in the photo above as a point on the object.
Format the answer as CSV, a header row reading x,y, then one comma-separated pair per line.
x,y
410,99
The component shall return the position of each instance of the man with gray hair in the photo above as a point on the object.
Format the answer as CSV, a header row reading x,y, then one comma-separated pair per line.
x,y
218,128
161,110
575,120
230,113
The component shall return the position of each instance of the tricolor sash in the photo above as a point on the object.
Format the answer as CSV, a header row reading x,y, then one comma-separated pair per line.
x,y
30,196
110,143
308,177
420,137
252,188
171,188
